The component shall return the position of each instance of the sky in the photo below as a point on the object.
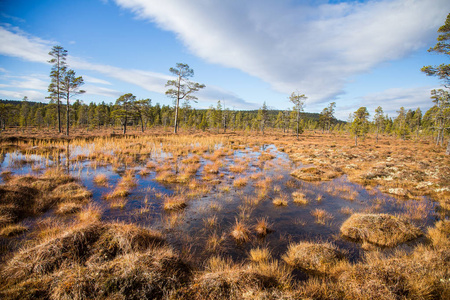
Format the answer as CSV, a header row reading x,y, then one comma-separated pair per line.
x,y
354,53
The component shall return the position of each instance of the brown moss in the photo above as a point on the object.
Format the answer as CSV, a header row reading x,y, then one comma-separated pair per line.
x,y
404,276
379,229
224,280
315,257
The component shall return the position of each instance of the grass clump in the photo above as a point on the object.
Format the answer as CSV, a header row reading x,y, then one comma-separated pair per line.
x,y
280,200
422,274
259,255
299,198
175,202
379,229
222,279
240,232
67,208
95,260
25,196
71,191
13,230
263,227
440,234
101,180
240,182
313,257
322,216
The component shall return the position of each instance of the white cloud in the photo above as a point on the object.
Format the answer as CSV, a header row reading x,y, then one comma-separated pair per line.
x,y
212,94
16,43
391,100
20,43
101,91
18,95
90,79
293,45
33,81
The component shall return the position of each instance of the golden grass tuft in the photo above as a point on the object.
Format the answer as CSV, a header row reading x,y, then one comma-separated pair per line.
x,y
214,242
240,232
101,180
67,208
423,274
440,234
210,222
71,191
281,200
118,203
13,230
299,198
259,254
90,213
379,229
322,216
222,279
262,227
314,257
175,202
240,182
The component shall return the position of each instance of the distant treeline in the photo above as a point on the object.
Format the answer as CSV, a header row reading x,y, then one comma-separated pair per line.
x,y
144,114
141,113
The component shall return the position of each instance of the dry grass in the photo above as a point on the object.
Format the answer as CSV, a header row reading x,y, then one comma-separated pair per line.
x,y
214,242
67,208
86,258
222,279
422,274
346,210
263,227
299,198
314,257
90,213
174,202
210,222
281,200
405,168
118,203
259,254
440,234
379,229
13,230
25,196
240,232
71,191
322,216
240,182
101,180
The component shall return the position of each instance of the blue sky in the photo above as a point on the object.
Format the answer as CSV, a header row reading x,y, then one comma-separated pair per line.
x,y
355,53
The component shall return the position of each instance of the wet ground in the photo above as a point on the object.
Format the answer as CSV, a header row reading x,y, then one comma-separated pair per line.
x,y
203,228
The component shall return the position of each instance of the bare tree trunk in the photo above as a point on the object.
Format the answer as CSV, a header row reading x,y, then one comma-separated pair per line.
x,y
448,147
68,116
59,115
356,140
176,116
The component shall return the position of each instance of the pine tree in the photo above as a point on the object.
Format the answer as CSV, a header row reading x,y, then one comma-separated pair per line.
x,y
59,55
183,88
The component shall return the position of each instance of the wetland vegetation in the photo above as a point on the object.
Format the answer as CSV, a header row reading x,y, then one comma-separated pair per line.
x,y
236,215
232,205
